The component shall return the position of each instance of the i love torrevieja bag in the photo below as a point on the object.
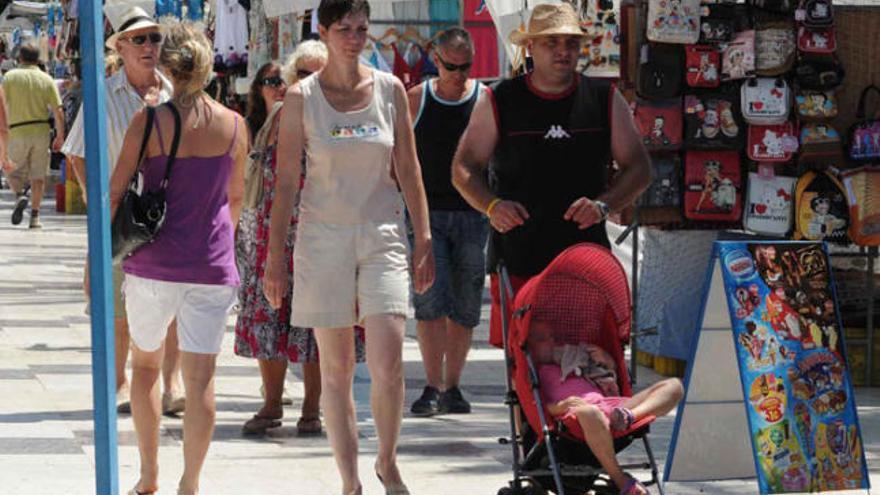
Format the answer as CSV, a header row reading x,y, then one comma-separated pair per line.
x,y
660,123
772,143
765,101
703,63
713,186
864,135
674,21
768,205
821,209
863,191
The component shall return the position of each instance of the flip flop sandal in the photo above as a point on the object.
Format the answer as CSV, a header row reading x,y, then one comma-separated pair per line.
x,y
259,424
622,419
134,491
308,426
631,485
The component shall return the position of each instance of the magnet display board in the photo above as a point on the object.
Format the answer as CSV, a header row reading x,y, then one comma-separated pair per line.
x,y
768,394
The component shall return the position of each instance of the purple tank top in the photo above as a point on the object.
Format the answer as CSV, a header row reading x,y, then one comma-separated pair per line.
x,y
196,244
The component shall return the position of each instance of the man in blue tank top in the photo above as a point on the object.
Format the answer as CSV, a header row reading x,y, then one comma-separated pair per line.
x,y
448,312
548,139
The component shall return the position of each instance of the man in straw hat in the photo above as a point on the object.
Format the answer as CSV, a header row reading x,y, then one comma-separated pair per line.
x,y
136,39
550,136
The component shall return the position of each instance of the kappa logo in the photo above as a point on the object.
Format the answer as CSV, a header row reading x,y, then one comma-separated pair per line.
x,y
557,132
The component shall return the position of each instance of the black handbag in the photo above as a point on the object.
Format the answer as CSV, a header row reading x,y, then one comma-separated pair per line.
x,y
141,214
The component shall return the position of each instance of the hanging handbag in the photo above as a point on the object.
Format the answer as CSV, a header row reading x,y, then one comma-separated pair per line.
x,y
862,190
864,135
141,214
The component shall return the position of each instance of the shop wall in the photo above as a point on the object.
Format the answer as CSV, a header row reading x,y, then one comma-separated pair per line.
x,y
858,39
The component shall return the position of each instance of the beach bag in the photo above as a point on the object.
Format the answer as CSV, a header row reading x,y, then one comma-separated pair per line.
x,y
660,204
775,48
821,209
713,186
661,71
863,191
769,201
864,135
765,101
821,146
817,41
717,24
713,121
703,64
779,6
816,13
772,143
674,21
738,56
660,123
816,105
253,170
819,74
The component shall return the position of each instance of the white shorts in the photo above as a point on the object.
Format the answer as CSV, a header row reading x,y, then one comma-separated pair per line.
x,y
200,311
344,273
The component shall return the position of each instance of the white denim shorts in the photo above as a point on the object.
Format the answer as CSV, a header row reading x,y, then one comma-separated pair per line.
x,y
344,273
200,309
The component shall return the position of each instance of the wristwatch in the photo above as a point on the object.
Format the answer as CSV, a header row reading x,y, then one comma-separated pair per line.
x,y
604,209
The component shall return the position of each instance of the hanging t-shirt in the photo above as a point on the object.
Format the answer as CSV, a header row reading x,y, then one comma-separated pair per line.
x,y
230,34
478,22
260,39
443,11
195,10
287,35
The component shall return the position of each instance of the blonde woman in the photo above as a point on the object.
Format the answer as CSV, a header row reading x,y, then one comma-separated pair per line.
x,y
189,271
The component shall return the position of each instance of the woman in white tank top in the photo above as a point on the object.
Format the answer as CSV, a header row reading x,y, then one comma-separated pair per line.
x,y
352,260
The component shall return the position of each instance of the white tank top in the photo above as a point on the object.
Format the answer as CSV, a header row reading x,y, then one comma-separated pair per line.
x,y
348,158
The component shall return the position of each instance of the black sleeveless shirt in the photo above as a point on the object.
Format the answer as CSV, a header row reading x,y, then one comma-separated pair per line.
x,y
438,128
552,150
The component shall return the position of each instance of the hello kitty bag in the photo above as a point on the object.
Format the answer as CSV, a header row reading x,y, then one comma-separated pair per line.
x,y
817,41
713,186
816,13
765,101
772,143
769,206
674,21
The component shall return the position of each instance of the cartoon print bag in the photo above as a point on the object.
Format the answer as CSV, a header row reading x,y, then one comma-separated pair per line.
x,y
738,56
820,146
660,204
661,71
765,101
674,21
768,205
816,13
864,135
775,48
816,105
712,121
717,23
821,210
659,123
713,186
772,143
863,190
819,74
817,41
703,64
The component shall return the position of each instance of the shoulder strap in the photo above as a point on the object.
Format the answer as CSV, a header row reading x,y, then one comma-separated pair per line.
x,y
172,155
863,101
148,129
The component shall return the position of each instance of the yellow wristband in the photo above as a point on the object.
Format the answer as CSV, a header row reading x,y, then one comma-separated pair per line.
x,y
492,204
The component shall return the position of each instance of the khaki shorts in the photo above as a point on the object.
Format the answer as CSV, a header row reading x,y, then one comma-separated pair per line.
x,y
31,157
118,296
343,273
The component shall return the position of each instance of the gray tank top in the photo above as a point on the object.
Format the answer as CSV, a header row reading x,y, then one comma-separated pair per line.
x,y
348,155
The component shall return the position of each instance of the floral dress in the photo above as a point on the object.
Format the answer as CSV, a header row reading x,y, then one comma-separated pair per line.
x,y
262,332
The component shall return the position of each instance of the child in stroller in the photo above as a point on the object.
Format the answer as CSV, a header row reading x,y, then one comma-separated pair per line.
x,y
582,381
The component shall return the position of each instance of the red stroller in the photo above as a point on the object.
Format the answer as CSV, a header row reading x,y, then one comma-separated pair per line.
x,y
584,294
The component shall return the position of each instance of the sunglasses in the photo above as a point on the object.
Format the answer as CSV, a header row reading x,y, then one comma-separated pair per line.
x,y
302,73
274,81
141,39
453,67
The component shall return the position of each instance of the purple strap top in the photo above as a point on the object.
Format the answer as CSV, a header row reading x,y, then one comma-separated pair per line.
x,y
196,244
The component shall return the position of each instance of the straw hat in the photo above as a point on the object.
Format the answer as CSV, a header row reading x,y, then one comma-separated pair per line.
x,y
549,20
131,19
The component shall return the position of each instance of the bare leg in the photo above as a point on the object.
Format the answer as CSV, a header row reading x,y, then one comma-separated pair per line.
x,y
656,400
385,360
122,342
37,186
145,412
337,375
311,406
171,363
595,427
458,344
198,422
273,373
432,344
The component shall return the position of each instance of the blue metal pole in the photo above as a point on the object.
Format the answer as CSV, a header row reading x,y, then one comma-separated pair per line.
x,y
97,179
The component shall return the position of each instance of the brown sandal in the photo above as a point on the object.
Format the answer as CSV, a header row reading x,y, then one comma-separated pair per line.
x,y
308,425
259,424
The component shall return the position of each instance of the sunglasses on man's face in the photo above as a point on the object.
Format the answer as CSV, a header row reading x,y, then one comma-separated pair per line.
x,y
141,39
274,81
453,67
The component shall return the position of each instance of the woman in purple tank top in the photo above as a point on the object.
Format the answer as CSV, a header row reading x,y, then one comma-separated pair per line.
x,y
189,271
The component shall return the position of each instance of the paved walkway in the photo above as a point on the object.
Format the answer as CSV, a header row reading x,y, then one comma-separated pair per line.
x,y
46,443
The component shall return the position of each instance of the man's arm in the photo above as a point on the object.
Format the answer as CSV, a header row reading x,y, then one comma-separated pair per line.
x,y
74,150
470,162
4,131
414,96
58,143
